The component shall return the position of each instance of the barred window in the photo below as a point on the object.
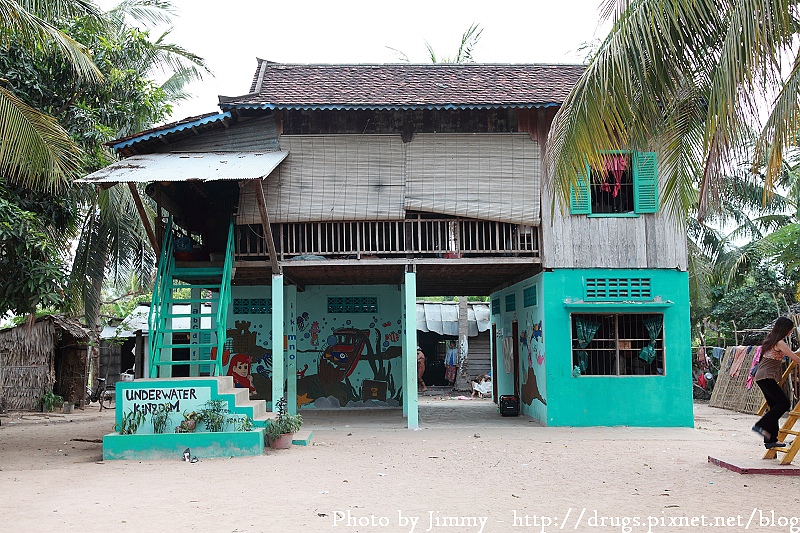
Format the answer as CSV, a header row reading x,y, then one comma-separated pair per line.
x,y
623,344
352,304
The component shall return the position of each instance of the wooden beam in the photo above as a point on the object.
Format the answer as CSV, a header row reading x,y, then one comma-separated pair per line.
x,y
143,215
300,288
266,226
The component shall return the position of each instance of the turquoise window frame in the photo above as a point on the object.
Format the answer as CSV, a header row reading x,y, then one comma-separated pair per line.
x,y
644,167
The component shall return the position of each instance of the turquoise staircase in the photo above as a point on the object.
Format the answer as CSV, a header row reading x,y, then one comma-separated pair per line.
x,y
172,282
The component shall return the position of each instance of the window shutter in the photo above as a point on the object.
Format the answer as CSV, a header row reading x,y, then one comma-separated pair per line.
x,y
579,201
645,182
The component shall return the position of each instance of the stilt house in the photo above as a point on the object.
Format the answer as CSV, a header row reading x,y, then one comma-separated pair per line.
x,y
309,214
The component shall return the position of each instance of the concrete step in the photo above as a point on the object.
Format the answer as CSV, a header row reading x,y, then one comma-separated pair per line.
x,y
302,438
259,407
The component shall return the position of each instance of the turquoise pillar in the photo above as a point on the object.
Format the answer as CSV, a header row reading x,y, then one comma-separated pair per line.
x,y
194,334
410,400
290,314
403,365
278,359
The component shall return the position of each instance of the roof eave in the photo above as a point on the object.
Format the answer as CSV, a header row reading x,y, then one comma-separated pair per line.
x,y
382,107
157,133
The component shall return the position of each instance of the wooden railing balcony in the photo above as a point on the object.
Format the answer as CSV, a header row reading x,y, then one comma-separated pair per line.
x,y
415,238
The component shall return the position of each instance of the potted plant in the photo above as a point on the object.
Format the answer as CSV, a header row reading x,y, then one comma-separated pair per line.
x,y
281,430
50,400
189,422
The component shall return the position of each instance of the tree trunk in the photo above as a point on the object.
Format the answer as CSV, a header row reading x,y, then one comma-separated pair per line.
x,y
462,376
95,325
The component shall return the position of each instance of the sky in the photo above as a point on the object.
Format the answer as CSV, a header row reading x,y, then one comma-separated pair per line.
x,y
230,35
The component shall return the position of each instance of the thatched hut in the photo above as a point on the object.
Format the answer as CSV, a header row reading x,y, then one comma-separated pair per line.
x,y
50,354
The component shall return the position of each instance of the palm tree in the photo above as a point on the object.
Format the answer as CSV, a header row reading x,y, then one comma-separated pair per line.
x,y
720,259
469,40
34,149
685,77
112,238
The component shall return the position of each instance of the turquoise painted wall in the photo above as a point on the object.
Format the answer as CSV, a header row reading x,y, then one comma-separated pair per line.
x,y
249,340
328,343
664,400
328,375
530,318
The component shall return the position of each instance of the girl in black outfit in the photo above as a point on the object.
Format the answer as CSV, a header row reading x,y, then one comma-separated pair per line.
x,y
769,373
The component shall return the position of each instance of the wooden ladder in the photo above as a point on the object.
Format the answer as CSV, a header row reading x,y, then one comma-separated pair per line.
x,y
787,428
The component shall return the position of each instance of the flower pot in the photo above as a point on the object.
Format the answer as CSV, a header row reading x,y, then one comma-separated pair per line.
x,y
282,442
188,426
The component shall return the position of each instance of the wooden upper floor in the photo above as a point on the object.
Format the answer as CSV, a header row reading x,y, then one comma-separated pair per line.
x,y
395,166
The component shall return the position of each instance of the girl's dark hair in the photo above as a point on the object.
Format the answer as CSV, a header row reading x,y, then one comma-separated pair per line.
x,y
783,326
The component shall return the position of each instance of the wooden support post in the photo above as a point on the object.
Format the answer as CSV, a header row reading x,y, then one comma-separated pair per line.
x,y
145,221
266,226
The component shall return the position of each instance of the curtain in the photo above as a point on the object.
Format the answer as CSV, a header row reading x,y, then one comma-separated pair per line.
x,y
617,165
586,330
653,325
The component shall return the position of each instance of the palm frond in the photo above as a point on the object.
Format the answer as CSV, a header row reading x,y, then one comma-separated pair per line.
x,y
24,28
151,13
469,40
781,128
402,57
34,149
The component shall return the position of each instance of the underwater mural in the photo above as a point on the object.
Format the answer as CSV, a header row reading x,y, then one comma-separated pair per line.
x,y
531,341
349,358
247,360
344,359
336,360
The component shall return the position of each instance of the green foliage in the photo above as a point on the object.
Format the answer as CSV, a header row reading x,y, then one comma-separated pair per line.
x,y
189,422
32,268
755,304
131,420
783,245
243,423
213,414
469,40
53,99
49,400
284,423
160,417
689,88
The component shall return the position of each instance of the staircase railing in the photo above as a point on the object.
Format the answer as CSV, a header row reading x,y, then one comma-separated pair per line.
x,y
161,292
224,299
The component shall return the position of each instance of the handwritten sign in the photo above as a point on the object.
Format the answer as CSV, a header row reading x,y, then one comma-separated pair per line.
x,y
179,399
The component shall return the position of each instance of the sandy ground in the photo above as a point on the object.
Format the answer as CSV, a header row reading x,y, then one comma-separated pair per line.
x,y
467,470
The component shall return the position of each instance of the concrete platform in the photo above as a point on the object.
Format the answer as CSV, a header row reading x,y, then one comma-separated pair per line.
x,y
302,438
769,467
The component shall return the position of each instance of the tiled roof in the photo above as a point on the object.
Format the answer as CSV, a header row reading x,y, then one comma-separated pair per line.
x,y
406,86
